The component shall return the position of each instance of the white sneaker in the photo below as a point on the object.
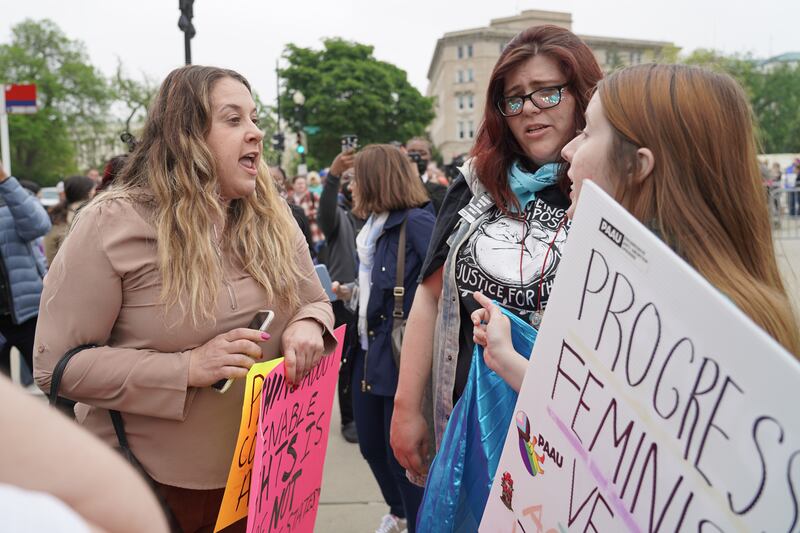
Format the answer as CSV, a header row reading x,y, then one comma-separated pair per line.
x,y
392,524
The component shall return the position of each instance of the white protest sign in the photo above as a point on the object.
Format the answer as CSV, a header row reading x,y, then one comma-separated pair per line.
x,y
650,403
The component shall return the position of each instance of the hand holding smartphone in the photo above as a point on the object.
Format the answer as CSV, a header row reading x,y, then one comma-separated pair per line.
x,y
349,141
261,322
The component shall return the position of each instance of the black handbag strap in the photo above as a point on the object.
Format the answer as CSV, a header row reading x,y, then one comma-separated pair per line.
x,y
58,371
399,285
116,417
119,429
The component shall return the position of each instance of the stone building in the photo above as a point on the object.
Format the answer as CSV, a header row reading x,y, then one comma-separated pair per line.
x,y
463,61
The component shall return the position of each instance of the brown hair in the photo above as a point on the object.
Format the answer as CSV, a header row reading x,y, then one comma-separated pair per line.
x,y
385,181
704,194
173,167
495,147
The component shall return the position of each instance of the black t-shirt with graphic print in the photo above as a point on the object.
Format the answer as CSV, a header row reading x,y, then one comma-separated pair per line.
x,y
512,260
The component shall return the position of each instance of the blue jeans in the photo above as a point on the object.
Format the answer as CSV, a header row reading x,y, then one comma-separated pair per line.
x,y
794,204
373,416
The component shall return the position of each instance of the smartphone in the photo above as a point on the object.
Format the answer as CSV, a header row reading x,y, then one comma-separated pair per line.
x,y
325,280
349,140
261,321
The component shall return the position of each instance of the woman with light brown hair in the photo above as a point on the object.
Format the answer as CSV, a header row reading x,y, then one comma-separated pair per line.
x,y
163,273
675,146
387,192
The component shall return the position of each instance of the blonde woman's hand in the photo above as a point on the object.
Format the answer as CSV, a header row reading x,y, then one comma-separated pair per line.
x,y
303,348
492,330
228,355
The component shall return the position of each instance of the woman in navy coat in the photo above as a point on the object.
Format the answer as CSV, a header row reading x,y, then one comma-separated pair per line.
x,y
386,190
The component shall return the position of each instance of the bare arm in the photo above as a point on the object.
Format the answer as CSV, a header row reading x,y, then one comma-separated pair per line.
x,y
409,430
492,330
44,451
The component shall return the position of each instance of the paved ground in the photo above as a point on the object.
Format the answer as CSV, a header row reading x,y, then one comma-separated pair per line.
x,y
350,501
788,254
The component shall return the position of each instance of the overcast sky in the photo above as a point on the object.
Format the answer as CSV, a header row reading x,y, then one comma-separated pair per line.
x,y
249,35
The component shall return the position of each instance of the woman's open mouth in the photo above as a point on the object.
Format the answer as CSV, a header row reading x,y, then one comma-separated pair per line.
x,y
248,162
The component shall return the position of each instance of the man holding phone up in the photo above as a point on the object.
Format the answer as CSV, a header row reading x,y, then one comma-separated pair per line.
x,y
419,151
340,227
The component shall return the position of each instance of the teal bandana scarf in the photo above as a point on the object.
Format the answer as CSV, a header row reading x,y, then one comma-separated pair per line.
x,y
525,185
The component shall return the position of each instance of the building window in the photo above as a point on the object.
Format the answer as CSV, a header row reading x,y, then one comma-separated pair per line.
x,y
460,76
460,52
469,75
471,130
461,101
469,50
460,129
471,101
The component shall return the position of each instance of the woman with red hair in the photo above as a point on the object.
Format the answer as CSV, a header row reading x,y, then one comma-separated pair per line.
x,y
500,229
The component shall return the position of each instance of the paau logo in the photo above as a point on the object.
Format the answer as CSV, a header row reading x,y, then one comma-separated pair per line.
x,y
528,442
608,229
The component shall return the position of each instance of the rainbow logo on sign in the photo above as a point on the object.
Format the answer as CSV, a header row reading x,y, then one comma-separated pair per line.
x,y
527,447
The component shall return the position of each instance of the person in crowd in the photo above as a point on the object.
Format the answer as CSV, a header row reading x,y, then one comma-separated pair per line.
x,y
508,243
22,220
340,226
32,187
77,191
301,196
776,174
37,244
170,266
54,475
419,150
111,171
279,176
314,183
773,185
635,148
387,191
437,174
793,182
94,175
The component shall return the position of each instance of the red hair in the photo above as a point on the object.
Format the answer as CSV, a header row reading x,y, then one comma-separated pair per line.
x,y
495,147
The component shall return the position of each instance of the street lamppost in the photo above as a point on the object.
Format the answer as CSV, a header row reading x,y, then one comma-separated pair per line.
x,y
299,100
186,26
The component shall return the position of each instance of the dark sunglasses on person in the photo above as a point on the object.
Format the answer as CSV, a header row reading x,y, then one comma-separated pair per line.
x,y
543,98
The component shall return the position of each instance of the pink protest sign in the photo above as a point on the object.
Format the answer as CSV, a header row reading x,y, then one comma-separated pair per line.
x,y
291,441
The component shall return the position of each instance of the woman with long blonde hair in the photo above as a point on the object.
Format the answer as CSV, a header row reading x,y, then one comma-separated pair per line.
x,y
675,146
169,267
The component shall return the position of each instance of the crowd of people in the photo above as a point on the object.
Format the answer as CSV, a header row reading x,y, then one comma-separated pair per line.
x,y
151,272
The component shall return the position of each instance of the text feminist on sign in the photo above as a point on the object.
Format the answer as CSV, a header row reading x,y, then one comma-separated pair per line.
x,y
670,409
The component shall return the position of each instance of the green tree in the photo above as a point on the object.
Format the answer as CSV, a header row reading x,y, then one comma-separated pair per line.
x,y
776,105
347,90
268,124
774,96
73,102
135,96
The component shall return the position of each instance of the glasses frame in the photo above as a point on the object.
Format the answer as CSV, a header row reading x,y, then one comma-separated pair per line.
x,y
529,96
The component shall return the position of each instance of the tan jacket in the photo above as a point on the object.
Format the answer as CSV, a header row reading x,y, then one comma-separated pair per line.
x,y
103,288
